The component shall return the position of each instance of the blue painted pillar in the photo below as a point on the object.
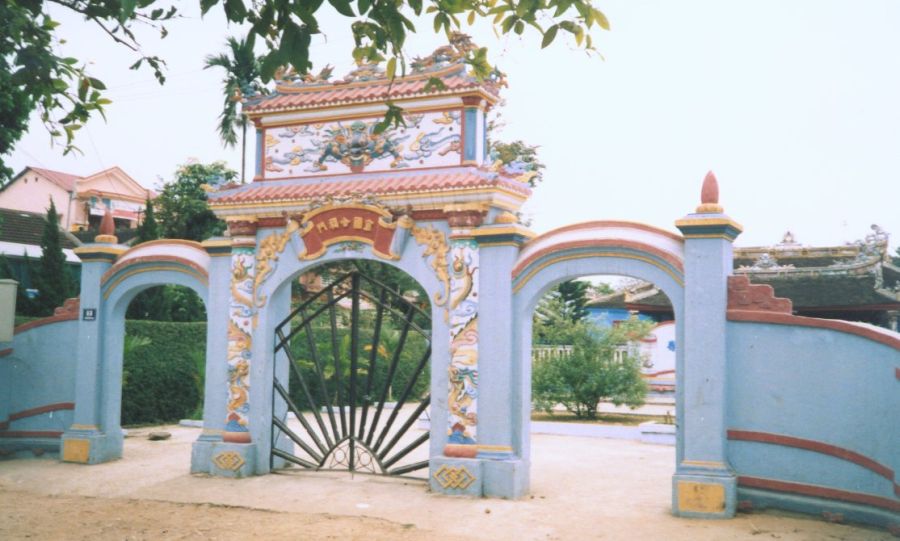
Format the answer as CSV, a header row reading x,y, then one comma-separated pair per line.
x,y
504,468
479,458
260,153
704,485
474,131
215,389
87,440
236,454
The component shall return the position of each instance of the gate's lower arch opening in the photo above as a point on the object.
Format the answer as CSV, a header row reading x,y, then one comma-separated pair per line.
x,y
602,382
352,372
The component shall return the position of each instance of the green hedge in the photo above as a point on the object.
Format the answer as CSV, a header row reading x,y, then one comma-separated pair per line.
x,y
163,378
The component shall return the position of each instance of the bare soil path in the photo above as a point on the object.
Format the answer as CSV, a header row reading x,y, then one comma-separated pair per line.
x,y
582,488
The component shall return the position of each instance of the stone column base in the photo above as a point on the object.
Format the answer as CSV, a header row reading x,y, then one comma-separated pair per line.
x,y
456,476
505,478
224,459
202,449
479,477
84,444
710,493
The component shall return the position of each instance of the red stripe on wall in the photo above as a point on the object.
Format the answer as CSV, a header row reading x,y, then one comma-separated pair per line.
x,y
41,409
5,352
776,318
30,434
816,446
818,492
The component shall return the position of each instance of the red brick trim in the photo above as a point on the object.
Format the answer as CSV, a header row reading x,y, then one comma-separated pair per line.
x,y
660,373
599,243
818,492
816,446
606,223
67,312
5,352
30,434
278,221
456,450
742,295
802,321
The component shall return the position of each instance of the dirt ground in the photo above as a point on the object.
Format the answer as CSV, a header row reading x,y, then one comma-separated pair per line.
x,y
582,488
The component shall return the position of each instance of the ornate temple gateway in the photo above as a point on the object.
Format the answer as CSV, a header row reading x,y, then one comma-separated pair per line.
x,y
340,379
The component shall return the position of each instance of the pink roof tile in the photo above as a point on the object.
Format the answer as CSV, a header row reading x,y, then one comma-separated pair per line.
x,y
307,96
384,184
63,180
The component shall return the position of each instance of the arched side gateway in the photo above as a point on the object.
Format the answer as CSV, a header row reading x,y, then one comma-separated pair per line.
x,y
112,275
592,248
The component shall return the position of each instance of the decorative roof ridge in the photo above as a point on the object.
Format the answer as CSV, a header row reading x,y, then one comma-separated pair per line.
x,y
835,268
325,86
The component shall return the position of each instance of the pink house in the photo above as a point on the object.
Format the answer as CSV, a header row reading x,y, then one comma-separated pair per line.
x,y
80,201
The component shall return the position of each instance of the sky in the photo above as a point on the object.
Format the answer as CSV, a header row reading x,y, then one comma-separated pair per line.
x,y
794,105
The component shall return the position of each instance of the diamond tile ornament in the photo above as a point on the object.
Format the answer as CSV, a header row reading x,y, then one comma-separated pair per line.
x,y
457,477
229,460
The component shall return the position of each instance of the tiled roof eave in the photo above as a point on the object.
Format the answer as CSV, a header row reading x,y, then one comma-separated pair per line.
x,y
256,111
386,195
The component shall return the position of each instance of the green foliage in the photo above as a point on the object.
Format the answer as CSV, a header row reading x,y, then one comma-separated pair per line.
x,y
52,278
182,206
554,314
160,382
896,259
33,76
167,303
335,368
605,365
242,79
148,228
333,353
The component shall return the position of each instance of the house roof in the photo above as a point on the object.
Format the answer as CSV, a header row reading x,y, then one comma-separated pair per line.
x,y
858,275
375,184
66,181
72,183
20,227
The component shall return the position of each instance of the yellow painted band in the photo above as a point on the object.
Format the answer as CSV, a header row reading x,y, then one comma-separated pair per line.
x,y
87,250
710,236
689,222
218,243
490,232
585,255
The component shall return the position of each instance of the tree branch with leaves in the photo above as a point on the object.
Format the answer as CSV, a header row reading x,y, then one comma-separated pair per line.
x,y
34,77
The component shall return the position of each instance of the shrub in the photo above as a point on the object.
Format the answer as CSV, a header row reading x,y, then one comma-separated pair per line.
x,y
161,375
604,366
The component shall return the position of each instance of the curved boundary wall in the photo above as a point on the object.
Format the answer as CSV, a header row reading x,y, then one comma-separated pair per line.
x,y
812,412
37,382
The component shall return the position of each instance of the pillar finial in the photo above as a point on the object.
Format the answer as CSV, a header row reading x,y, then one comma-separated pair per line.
x,y
709,196
107,229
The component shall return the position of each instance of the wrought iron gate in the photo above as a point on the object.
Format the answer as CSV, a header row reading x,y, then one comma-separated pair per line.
x,y
350,346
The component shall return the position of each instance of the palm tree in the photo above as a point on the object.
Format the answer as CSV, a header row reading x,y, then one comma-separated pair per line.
x,y
242,79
